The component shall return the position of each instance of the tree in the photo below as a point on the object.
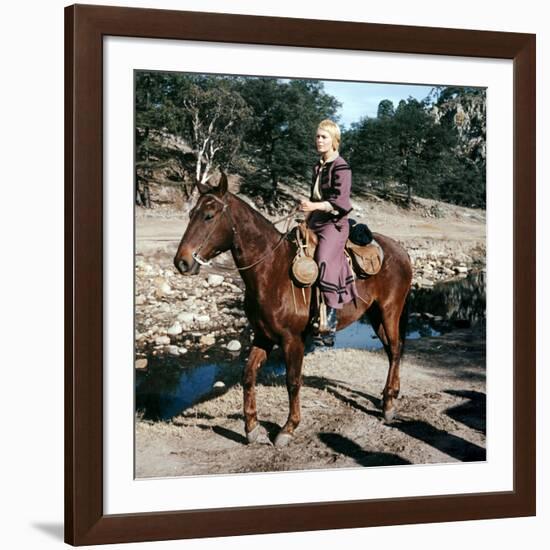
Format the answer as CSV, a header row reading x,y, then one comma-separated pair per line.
x,y
212,117
413,126
148,119
280,140
386,110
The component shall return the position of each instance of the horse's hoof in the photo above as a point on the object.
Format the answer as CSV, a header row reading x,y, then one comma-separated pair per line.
x,y
283,439
258,435
389,415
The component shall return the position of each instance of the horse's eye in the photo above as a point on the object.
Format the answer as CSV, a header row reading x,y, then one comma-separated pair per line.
x,y
208,216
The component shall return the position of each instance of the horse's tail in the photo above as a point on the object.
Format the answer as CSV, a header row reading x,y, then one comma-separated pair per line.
x,y
404,322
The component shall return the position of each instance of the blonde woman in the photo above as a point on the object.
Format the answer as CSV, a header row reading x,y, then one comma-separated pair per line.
x,y
327,210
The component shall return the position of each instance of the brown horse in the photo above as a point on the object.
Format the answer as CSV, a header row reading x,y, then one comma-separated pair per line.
x,y
221,221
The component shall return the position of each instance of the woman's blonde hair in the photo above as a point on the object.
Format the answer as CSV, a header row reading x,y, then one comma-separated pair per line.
x,y
333,129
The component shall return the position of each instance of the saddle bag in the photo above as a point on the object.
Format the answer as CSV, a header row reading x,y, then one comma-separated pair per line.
x,y
304,268
366,260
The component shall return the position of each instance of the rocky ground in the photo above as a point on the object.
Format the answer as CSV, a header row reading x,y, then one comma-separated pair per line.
x,y
175,314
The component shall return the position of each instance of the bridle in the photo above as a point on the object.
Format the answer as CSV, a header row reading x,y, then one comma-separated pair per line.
x,y
226,210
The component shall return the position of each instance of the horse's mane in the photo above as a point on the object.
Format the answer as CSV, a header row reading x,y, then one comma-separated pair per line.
x,y
257,215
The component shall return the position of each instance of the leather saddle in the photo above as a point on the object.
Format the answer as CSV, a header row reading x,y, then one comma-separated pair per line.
x,y
365,260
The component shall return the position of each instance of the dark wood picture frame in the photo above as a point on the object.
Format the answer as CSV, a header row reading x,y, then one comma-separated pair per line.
x,y
85,27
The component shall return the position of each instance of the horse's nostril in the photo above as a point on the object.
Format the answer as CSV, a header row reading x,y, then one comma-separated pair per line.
x,y
182,266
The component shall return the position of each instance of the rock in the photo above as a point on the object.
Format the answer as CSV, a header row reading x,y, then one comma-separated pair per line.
x,y
202,318
182,350
175,329
219,385
162,340
186,317
163,289
215,280
461,269
234,345
207,340
172,350
141,364
140,300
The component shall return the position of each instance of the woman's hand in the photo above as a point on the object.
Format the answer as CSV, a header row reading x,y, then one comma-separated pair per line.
x,y
308,206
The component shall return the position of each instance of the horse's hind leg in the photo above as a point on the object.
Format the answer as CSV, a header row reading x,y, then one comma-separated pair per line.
x,y
390,321
293,348
375,318
258,356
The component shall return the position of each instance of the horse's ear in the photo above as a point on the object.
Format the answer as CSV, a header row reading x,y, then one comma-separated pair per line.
x,y
203,188
221,189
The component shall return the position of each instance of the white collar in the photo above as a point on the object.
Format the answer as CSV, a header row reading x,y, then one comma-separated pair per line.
x,y
330,159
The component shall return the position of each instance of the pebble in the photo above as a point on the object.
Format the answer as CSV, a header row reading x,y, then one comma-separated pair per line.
x,y
175,329
162,340
141,364
218,384
182,350
215,280
202,318
172,350
461,269
186,317
140,300
207,340
163,290
234,345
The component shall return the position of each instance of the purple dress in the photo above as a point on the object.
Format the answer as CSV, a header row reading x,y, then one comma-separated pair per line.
x,y
332,229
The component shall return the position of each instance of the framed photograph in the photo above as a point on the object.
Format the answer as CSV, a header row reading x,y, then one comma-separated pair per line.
x,y
300,275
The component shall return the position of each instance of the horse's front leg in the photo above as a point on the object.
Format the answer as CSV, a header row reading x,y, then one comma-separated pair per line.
x,y
258,355
293,349
393,346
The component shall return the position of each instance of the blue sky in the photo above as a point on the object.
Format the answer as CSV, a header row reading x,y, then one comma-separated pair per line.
x,y
361,99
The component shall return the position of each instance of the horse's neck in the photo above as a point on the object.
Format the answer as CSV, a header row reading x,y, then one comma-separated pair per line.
x,y
254,238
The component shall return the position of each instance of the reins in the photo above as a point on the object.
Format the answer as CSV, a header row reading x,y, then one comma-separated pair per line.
x,y
225,210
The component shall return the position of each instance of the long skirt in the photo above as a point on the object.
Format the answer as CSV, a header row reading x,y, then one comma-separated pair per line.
x,y
335,275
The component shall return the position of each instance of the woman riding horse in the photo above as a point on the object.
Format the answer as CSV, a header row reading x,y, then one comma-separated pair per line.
x,y
327,211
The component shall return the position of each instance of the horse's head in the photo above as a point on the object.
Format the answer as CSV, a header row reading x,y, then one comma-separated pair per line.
x,y
209,232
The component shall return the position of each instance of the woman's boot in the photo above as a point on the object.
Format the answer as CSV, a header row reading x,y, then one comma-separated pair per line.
x,y
329,334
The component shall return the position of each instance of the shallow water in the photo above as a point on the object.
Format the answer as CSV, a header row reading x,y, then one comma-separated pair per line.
x,y
171,385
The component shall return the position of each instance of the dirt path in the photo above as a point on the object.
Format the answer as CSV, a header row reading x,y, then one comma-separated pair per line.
x,y
441,416
463,227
